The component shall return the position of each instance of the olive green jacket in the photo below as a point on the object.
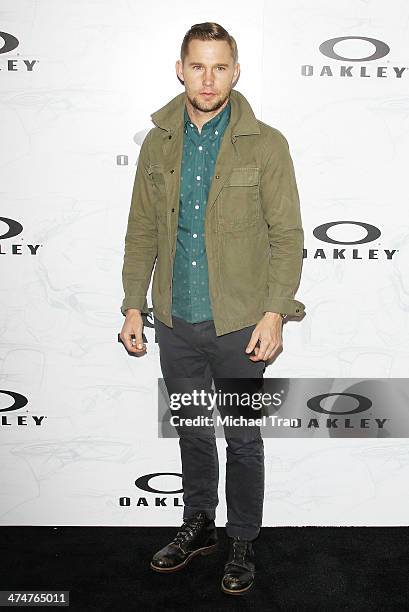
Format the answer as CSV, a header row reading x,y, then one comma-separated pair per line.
x,y
253,231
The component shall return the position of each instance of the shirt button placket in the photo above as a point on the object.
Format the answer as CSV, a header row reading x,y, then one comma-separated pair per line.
x,y
195,227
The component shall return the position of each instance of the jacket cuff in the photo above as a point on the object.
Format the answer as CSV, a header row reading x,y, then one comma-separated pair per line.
x,y
286,306
135,301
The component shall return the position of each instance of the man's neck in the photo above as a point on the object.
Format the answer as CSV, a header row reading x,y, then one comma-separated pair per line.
x,y
198,117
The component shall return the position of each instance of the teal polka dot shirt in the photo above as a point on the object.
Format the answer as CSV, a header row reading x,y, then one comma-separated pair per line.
x,y
190,284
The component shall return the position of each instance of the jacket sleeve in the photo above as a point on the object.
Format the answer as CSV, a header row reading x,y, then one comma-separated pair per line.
x,y
141,240
281,208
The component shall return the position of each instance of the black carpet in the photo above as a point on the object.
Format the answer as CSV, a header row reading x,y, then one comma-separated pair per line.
x,y
302,568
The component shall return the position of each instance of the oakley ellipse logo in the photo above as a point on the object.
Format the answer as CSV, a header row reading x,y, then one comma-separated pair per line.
x,y
143,482
20,247
315,403
14,62
15,228
19,401
365,51
10,42
372,232
381,49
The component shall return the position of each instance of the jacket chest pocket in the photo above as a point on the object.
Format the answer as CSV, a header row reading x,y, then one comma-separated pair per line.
x,y
156,173
239,206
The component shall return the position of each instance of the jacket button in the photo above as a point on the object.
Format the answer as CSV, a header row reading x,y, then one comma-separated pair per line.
x,y
217,175
169,137
172,171
173,210
297,310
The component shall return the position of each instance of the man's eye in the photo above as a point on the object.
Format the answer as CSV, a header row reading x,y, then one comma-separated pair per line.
x,y
219,67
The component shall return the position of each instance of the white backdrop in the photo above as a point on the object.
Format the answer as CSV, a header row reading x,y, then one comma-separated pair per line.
x,y
77,90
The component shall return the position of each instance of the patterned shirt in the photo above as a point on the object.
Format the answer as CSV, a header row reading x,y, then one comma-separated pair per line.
x,y
190,284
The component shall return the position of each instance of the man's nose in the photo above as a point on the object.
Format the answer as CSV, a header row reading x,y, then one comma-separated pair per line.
x,y
208,77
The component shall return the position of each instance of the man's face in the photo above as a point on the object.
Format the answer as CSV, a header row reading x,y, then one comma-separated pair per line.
x,y
208,73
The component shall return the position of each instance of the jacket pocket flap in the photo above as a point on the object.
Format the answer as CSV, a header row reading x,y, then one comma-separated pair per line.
x,y
155,168
241,177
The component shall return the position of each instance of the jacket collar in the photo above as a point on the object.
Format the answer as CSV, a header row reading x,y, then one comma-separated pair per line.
x,y
242,118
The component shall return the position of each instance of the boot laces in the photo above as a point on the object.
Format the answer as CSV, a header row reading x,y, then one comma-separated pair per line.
x,y
189,528
239,552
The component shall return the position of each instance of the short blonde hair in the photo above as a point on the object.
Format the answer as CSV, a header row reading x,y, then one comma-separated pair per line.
x,y
209,30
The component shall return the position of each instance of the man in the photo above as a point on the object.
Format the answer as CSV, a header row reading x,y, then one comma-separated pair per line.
x,y
215,205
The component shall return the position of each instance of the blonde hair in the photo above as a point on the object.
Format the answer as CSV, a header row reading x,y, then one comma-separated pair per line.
x,y
209,30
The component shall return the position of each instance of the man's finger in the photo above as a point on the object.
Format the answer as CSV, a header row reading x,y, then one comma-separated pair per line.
x,y
264,345
273,351
270,352
137,342
253,341
133,342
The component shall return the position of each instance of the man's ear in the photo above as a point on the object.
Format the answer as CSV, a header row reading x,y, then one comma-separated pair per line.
x,y
179,68
236,78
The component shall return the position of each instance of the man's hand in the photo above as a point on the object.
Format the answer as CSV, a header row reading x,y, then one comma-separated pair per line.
x,y
133,324
269,331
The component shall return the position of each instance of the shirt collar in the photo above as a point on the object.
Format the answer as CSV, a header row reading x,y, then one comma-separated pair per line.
x,y
214,127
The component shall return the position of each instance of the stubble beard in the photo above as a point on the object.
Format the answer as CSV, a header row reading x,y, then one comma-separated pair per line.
x,y
211,105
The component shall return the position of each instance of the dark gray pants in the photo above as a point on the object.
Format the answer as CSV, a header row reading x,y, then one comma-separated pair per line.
x,y
194,351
